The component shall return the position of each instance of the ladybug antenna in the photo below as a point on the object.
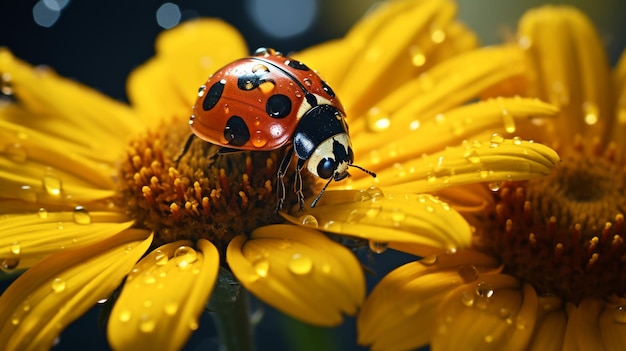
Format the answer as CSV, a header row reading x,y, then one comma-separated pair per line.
x,y
317,198
364,170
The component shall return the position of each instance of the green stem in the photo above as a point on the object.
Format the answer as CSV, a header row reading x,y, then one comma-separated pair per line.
x,y
229,302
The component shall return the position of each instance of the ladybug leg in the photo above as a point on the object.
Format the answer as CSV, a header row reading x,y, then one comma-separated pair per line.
x,y
280,181
186,148
297,185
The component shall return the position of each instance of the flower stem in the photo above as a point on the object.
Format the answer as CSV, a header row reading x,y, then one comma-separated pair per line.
x,y
229,302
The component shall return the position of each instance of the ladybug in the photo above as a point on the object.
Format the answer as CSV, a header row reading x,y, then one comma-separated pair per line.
x,y
269,101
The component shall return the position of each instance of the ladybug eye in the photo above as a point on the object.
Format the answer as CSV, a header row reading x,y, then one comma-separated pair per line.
x,y
326,168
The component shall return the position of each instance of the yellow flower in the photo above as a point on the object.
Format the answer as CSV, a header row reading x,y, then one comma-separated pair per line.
x,y
92,195
546,268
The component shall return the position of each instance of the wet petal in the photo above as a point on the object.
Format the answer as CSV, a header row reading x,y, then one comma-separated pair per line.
x,y
419,221
28,238
492,313
612,325
572,67
582,331
299,271
416,288
51,294
163,297
167,85
549,332
67,109
451,128
495,160
445,86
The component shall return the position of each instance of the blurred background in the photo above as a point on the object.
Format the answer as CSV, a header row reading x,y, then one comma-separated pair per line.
x,y
99,42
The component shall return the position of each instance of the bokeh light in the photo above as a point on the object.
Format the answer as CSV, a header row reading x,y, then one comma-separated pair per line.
x,y
283,18
168,15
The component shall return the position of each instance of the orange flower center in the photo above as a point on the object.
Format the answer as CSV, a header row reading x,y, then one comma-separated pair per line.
x,y
564,233
215,198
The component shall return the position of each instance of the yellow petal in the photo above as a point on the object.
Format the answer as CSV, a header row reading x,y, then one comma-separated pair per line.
x,y
51,294
417,219
549,332
582,331
484,314
416,290
619,85
300,272
163,297
67,109
495,160
572,70
28,238
612,325
450,128
445,86
167,85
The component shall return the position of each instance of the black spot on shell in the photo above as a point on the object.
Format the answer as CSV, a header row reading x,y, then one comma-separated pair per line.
x,y
297,65
236,132
213,95
278,106
327,89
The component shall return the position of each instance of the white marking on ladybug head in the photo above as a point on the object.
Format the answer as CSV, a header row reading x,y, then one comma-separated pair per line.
x,y
331,158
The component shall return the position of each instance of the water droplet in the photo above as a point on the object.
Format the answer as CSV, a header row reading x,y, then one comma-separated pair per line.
x,y
488,339
468,273
15,320
520,323
414,125
508,121
259,140
149,279
188,254
124,315
171,307
147,323
226,108
42,213
16,248
418,57
371,194
28,194
9,265
377,119
378,247
81,215
467,298
300,264
472,156
495,186
193,325
484,289
201,90
506,314
261,266
517,140
16,152
52,185
496,139
590,111
429,260
58,285
160,258
102,301
307,82
619,314
437,34
309,221
6,86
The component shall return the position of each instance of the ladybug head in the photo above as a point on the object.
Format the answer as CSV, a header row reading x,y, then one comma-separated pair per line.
x,y
331,160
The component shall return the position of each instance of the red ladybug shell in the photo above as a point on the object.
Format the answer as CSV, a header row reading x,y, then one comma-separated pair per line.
x,y
255,103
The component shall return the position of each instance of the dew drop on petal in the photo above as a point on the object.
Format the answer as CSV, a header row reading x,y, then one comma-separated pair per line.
x,y
495,186
484,289
160,258
300,264
429,260
42,213
590,111
468,273
9,265
418,57
371,194
147,323
378,247
124,315
58,285
16,248
467,298
102,301
261,266
170,307
506,315
201,90
28,194
188,254
16,152
619,314
193,325
52,185
472,156
309,221
81,215
496,139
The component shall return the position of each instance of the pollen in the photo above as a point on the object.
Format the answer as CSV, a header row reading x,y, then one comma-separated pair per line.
x,y
205,195
564,233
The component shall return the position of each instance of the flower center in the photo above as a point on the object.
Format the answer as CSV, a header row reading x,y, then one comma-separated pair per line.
x,y
563,233
215,198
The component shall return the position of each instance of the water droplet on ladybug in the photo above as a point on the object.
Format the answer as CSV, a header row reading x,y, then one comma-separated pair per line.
x,y
307,82
258,140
